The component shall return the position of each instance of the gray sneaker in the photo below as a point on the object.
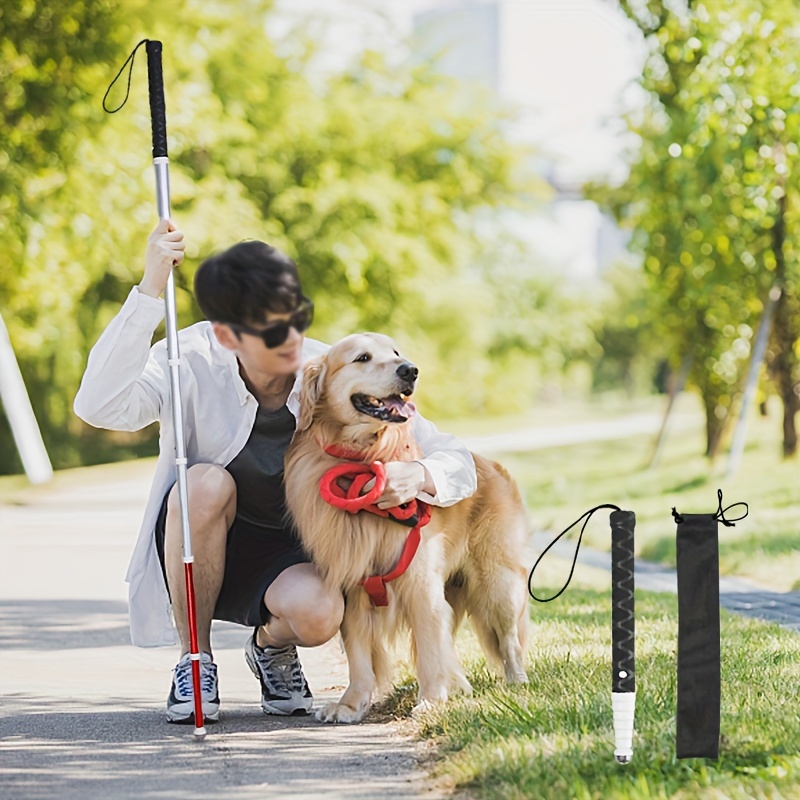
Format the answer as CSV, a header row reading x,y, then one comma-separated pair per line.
x,y
180,703
284,689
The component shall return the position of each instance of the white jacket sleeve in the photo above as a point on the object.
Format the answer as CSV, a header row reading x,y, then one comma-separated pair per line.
x,y
449,463
125,386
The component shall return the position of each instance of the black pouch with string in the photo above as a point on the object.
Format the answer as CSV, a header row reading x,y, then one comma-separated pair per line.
x,y
699,683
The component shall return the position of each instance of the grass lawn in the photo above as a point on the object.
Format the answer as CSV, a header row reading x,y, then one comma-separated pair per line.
x,y
553,739
560,483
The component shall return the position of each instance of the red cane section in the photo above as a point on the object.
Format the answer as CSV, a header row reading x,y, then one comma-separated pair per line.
x,y
194,647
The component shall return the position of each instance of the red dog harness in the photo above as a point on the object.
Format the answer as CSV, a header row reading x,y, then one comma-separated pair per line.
x,y
414,514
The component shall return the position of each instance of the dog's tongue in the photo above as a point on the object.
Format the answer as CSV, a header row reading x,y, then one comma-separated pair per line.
x,y
406,409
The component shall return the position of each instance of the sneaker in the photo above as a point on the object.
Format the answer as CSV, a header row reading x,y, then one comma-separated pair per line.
x,y
283,686
180,703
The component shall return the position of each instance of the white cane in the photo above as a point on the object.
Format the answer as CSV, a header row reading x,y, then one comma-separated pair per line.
x,y
158,120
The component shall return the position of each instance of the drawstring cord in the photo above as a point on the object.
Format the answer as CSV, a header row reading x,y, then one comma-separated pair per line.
x,y
129,60
720,513
588,516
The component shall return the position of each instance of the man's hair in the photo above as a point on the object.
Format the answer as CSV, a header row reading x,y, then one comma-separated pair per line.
x,y
244,282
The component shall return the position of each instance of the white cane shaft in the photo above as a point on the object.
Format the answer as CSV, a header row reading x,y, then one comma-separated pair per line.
x,y
161,165
624,707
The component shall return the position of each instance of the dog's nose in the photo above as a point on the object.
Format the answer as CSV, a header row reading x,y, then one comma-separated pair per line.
x,y
407,371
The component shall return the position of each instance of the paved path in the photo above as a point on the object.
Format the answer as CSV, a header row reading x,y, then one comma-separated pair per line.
x,y
81,710
527,439
735,594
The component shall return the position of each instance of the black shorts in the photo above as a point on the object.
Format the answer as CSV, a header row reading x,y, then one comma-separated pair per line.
x,y
254,557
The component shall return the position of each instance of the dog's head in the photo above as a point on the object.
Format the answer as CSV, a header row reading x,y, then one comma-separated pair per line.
x,y
361,382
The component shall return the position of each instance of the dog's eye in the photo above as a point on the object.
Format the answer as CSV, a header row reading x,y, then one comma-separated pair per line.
x,y
364,357
396,353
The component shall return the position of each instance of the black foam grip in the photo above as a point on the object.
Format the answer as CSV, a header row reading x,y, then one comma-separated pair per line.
x,y
158,113
623,650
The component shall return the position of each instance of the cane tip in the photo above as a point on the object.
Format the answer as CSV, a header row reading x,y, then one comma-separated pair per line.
x,y
623,758
200,733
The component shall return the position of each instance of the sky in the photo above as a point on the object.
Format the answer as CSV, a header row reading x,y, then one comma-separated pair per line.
x,y
570,63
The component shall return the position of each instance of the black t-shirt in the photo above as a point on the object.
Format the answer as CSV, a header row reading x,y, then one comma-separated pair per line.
x,y
258,469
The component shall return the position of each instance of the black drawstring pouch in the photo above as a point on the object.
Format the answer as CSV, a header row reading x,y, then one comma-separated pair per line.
x,y
698,722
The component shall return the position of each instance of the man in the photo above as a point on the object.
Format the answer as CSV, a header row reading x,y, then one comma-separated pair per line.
x,y
240,381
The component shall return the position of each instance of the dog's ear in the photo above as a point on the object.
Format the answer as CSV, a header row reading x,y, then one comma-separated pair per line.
x,y
310,390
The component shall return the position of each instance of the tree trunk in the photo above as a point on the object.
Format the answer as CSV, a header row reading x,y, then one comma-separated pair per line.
x,y
676,383
783,369
710,390
715,427
790,408
783,362
756,359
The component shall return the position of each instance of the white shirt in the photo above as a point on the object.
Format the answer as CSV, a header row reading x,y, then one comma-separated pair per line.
x,y
126,386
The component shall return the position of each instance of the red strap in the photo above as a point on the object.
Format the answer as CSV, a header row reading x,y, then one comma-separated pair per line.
x,y
352,501
344,453
376,584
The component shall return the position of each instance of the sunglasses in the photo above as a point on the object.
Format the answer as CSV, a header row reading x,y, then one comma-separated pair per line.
x,y
276,333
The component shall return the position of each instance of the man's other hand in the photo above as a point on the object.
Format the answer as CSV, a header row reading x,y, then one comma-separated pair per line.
x,y
404,481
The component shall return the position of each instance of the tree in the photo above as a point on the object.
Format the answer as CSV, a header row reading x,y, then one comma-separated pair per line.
x,y
712,188
51,55
371,179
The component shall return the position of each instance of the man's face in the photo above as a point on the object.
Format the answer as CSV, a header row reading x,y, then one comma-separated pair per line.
x,y
253,353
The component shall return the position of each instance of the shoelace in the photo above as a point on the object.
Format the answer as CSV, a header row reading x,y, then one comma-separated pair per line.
x,y
183,677
282,667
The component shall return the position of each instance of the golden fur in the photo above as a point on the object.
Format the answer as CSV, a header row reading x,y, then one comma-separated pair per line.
x,y
469,560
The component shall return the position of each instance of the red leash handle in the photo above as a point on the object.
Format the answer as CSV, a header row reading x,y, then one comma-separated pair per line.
x,y
352,500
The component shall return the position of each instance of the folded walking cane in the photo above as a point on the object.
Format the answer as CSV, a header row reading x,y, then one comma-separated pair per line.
x,y
623,652
158,119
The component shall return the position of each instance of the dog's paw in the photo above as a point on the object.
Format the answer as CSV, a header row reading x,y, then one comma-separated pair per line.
x,y
338,712
516,676
462,686
424,706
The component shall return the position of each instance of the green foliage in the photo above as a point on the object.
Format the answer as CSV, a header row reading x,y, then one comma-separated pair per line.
x,y
712,193
49,62
628,335
371,179
52,57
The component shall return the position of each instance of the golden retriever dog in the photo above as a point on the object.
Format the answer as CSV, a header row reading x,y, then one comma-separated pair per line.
x,y
470,557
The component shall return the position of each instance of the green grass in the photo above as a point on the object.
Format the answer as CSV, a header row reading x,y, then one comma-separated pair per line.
x,y
560,483
553,739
